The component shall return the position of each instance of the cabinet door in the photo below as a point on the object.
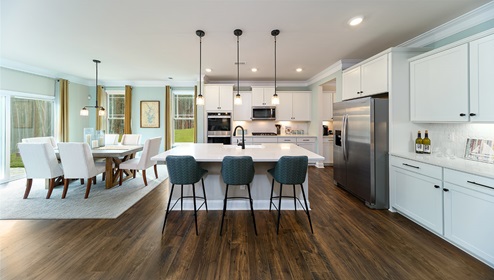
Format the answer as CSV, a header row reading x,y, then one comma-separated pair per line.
x,y
301,102
327,106
284,109
327,150
374,76
212,98
258,97
439,86
268,94
482,79
351,84
468,220
308,146
243,112
226,98
418,197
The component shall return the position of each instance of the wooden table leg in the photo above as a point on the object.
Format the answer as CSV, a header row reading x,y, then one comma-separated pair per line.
x,y
109,173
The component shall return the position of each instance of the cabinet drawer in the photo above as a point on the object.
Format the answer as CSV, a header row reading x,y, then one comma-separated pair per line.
x,y
417,167
264,140
470,181
327,139
306,140
286,140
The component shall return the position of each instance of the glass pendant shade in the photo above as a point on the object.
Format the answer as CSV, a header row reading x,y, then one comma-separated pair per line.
x,y
275,100
200,100
84,112
238,99
102,112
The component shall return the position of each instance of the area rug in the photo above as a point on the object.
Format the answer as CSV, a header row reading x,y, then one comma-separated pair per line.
x,y
101,204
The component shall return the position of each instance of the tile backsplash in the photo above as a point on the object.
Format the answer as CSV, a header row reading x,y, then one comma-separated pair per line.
x,y
451,139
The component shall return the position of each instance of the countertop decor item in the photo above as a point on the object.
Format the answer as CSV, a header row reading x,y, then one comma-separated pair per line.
x,y
480,150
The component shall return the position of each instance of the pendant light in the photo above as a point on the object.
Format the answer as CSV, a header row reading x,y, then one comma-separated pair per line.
x,y
238,98
200,98
275,100
84,111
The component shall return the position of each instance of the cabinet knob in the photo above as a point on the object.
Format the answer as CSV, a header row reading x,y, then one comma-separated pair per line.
x,y
462,114
472,114
436,186
446,190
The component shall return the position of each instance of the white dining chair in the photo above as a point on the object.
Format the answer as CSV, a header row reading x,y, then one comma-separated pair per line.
x,y
151,148
40,162
78,163
111,139
131,139
45,139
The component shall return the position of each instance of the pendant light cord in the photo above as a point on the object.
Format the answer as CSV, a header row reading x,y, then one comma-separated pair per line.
x,y
275,65
238,68
200,64
96,61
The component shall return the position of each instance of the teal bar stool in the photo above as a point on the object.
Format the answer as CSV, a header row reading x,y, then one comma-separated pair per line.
x,y
237,170
184,170
290,170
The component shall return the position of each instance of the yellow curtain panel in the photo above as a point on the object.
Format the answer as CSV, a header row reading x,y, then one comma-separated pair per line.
x,y
101,120
128,110
64,111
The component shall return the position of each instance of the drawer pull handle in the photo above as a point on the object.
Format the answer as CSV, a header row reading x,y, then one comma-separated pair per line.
x,y
409,165
305,140
436,186
446,190
478,184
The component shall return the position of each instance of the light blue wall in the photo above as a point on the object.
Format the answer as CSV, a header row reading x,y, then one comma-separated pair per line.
x,y
142,94
24,82
78,98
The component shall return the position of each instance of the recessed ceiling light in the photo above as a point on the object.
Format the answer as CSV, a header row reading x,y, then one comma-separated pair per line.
x,y
208,70
254,69
170,78
298,69
355,20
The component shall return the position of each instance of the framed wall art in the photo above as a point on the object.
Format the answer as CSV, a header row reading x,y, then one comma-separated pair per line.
x,y
150,114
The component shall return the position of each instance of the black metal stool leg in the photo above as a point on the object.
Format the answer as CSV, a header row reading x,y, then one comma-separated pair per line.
x,y
204,192
224,209
294,198
168,207
195,207
271,197
307,208
279,210
181,199
252,209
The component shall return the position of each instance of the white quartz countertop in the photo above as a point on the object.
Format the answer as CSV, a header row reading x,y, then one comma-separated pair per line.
x,y
280,135
269,152
459,164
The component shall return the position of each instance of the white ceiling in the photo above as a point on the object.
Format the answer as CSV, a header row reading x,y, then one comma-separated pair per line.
x,y
151,40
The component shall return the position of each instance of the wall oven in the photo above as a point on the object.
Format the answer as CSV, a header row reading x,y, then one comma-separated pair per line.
x,y
219,128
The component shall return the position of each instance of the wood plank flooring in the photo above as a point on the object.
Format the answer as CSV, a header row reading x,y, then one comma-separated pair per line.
x,y
350,241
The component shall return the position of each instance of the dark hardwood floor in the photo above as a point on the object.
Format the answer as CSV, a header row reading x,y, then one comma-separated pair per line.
x,y
350,241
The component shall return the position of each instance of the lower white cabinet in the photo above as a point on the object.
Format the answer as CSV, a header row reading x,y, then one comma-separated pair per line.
x,y
417,196
308,143
468,213
327,150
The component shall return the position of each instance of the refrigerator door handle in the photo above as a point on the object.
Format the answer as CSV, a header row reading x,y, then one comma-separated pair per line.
x,y
344,135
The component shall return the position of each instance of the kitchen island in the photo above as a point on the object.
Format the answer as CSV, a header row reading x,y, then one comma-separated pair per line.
x,y
265,156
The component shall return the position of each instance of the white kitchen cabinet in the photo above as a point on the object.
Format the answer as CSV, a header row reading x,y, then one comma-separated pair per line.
x,y
482,79
243,112
468,212
294,106
308,143
218,97
439,86
327,150
272,139
415,195
261,96
366,79
327,106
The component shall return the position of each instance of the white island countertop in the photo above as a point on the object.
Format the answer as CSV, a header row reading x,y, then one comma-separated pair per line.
x,y
459,164
269,152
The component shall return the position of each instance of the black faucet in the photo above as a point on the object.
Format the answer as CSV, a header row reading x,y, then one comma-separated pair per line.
x,y
243,139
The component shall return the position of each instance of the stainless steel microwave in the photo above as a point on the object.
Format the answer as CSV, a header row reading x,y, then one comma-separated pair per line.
x,y
264,113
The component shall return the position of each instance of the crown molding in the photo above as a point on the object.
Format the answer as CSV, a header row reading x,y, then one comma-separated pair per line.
x,y
119,83
461,23
337,66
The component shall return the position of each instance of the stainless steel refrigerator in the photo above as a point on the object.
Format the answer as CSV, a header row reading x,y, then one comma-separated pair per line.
x,y
361,149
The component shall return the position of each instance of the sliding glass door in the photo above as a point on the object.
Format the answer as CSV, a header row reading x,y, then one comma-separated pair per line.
x,y
26,116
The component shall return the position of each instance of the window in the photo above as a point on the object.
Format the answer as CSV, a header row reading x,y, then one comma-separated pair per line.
x,y
183,116
116,112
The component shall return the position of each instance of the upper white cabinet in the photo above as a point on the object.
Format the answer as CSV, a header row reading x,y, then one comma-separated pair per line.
x,y
327,106
243,112
367,79
261,96
454,84
439,86
218,97
482,79
294,106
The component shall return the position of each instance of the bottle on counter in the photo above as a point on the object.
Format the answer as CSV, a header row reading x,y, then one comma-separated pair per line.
x,y
419,148
426,143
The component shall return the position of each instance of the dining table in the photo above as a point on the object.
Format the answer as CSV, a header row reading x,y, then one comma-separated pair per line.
x,y
114,155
